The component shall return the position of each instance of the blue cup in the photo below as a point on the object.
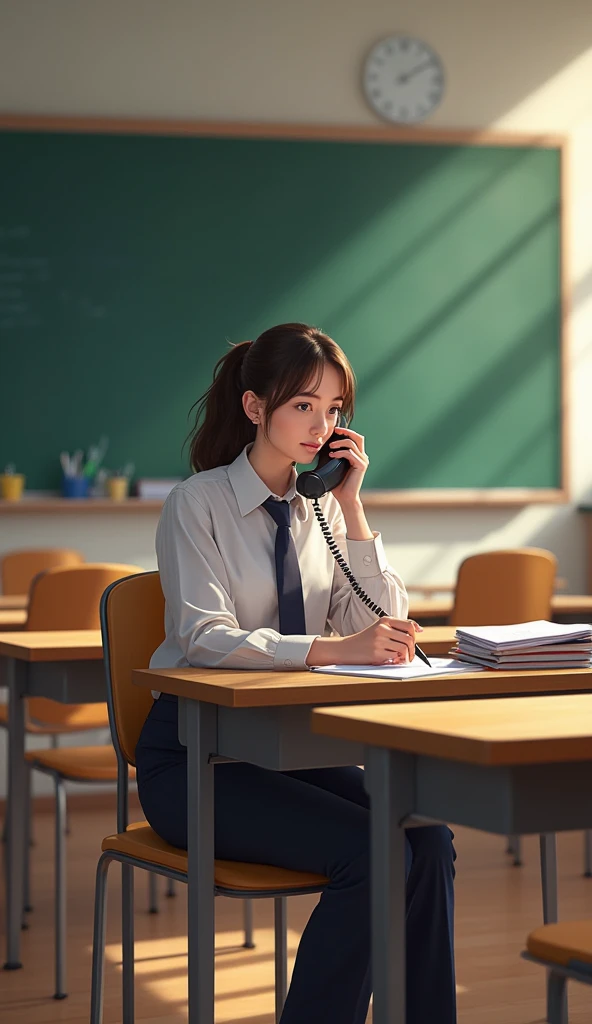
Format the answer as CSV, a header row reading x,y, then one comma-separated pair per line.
x,y
75,486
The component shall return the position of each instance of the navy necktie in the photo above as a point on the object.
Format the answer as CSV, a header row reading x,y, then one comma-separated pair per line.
x,y
287,571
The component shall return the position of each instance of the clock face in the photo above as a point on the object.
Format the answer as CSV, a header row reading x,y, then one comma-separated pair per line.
x,y
403,79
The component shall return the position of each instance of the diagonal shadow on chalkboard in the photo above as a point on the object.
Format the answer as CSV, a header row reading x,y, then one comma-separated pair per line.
x,y
505,374
472,198
531,441
421,334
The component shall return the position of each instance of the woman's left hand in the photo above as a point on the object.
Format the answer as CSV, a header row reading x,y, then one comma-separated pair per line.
x,y
352,449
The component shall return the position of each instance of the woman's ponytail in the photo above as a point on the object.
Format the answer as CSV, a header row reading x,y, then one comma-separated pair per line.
x,y
226,428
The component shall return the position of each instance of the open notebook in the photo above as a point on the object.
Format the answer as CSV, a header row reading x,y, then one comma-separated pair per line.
x,y
415,670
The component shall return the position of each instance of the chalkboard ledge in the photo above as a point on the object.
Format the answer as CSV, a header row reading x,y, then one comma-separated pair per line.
x,y
508,497
84,506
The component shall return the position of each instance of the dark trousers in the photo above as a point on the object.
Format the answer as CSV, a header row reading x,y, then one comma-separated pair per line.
x,y
316,820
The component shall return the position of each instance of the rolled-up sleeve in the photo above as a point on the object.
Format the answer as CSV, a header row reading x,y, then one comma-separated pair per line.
x,y
368,562
195,585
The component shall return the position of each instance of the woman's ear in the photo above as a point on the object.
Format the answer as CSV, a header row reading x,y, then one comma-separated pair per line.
x,y
253,407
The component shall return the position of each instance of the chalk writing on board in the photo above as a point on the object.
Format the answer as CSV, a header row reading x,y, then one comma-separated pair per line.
x,y
22,279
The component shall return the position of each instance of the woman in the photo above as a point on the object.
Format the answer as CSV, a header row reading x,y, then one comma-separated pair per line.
x,y
230,604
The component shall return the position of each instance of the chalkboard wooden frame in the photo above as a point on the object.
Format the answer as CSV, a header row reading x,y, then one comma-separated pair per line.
x,y
407,498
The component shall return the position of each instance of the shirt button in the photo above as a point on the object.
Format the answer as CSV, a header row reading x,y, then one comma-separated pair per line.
x,y
287,661
367,559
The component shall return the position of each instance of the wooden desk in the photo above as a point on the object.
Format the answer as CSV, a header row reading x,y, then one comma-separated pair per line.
x,y
264,718
67,667
563,606
13,618
11,601
507,766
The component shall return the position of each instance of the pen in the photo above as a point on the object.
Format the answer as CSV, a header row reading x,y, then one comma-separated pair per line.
x,y
421,655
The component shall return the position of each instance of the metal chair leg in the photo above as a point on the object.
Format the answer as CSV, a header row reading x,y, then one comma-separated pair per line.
x,y
281,955
152,893
98,951
556,998
127,941
60,890
248,921
170,889
588,853
54,743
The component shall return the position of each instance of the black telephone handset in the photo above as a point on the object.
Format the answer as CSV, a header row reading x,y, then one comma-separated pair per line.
x,y
313,483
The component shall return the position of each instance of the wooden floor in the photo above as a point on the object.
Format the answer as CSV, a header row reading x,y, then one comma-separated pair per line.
x,y
497,904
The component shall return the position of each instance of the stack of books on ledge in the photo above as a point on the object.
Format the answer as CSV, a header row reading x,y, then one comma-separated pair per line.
x,y
529,645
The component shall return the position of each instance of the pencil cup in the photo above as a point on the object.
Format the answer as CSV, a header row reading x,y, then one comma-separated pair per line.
x,y
75,486
12,486
117,488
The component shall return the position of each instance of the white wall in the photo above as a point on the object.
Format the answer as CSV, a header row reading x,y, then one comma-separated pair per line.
x,y
523,66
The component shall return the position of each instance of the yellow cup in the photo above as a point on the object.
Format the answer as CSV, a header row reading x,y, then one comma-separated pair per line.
x,y
12,486
117,487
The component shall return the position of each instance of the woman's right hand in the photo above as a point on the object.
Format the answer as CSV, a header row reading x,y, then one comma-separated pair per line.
x,y
387,639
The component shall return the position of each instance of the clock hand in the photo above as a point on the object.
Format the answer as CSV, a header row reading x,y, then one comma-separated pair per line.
x,y
402,79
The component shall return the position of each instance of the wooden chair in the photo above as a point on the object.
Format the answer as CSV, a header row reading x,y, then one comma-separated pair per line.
x,y
132,613
496,588
565,949
18,568
66,597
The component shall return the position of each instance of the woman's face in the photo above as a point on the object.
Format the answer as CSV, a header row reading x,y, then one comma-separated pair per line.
x,y
301,426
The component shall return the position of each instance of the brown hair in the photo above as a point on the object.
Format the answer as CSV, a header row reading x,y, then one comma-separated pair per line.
x,y
284,361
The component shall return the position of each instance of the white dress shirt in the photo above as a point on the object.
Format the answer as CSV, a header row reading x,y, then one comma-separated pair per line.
x,y
216,556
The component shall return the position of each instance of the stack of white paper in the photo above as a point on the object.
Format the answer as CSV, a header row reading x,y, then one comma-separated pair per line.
x,y
532,645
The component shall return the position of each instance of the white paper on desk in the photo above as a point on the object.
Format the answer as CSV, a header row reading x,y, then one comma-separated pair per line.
x,y
415,670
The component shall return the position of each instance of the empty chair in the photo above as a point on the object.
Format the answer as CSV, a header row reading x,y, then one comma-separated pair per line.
x,y
18,568
496,588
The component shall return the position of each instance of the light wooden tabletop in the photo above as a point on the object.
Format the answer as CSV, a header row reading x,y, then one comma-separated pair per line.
x,y
53,645
520,730
441,607
11,601
275,689
13,618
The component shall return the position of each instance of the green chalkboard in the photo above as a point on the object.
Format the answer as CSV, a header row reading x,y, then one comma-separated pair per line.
x,y
127,261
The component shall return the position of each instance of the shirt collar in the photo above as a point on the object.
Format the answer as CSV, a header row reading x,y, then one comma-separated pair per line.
x,y
250,491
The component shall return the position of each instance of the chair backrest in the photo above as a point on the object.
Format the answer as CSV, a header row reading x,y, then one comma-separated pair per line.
x,y
18,568
68,597
496,588
132,621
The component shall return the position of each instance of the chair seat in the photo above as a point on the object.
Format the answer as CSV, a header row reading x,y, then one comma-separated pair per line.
x,y
142,842
86,716
91,764
562,942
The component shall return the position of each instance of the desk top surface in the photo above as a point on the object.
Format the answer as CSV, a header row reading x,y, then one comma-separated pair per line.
x,y
9,601
12,618
276,689
53,645
520,730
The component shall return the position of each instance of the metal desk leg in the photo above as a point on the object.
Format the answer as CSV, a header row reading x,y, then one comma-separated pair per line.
x,y
16,830
197,722
390,784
